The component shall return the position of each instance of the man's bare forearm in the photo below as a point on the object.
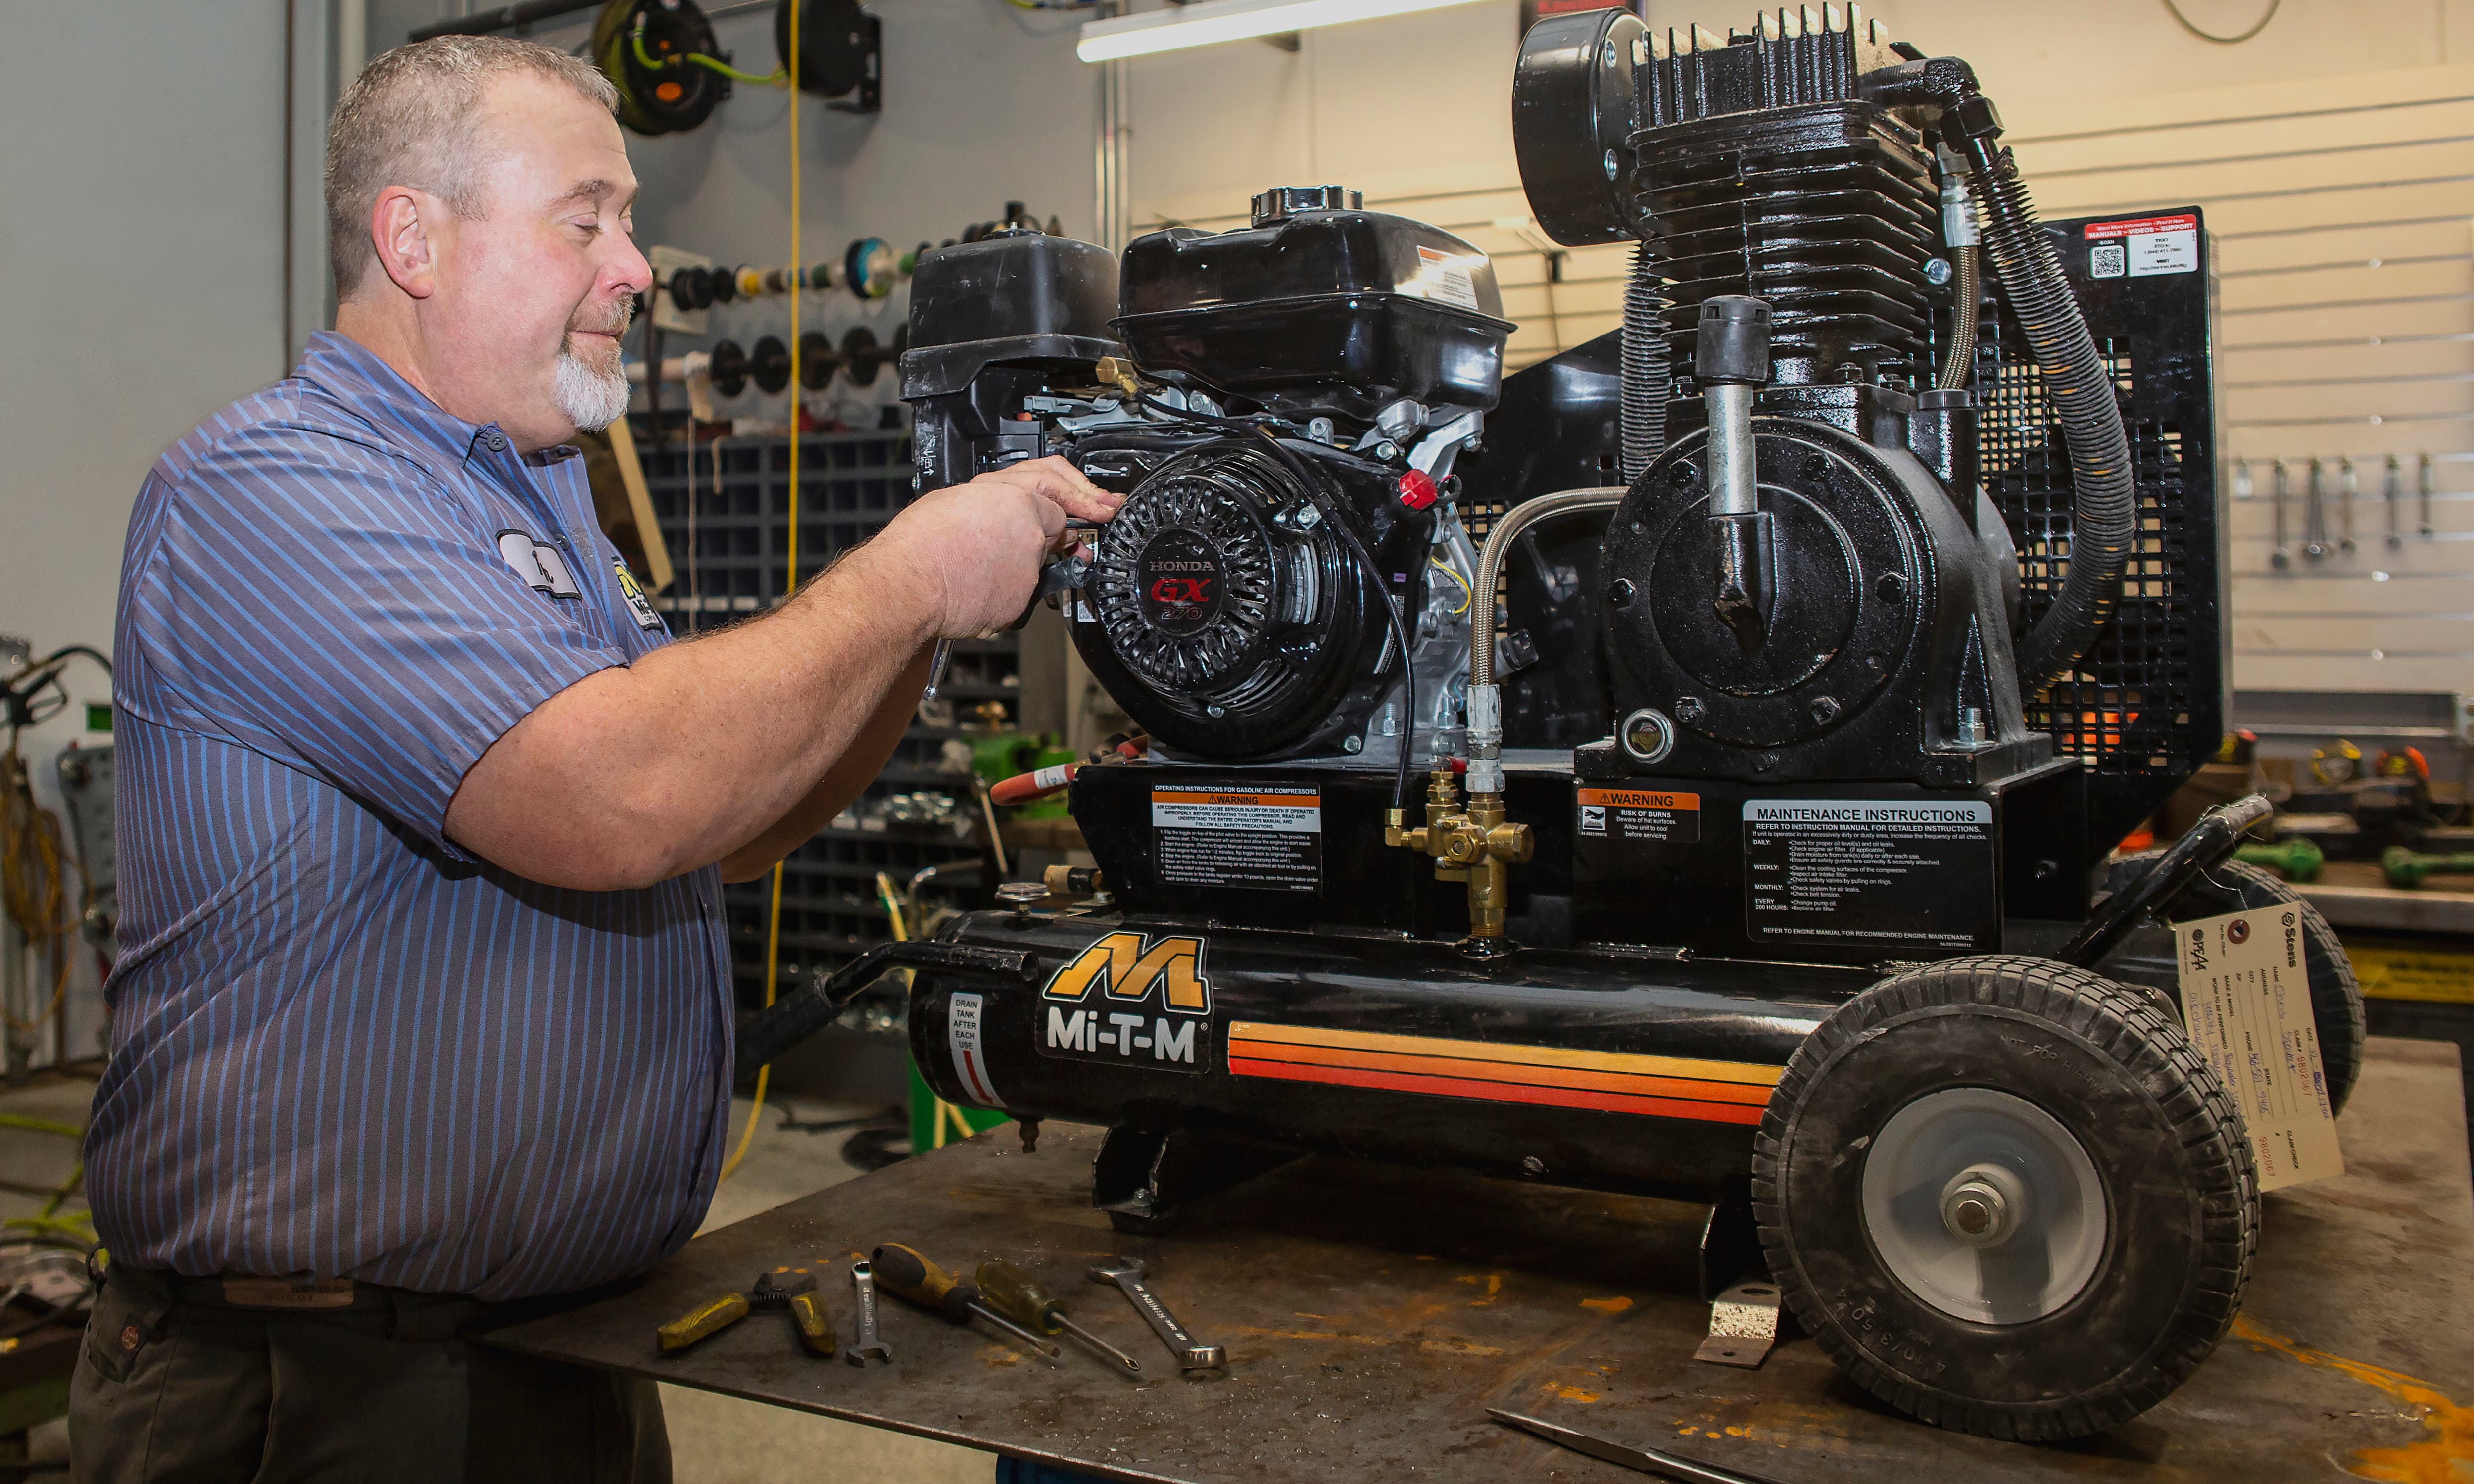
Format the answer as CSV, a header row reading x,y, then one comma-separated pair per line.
x,y
843,782
634,775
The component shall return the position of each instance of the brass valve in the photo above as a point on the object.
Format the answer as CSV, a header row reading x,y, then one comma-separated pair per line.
x,y
1475,844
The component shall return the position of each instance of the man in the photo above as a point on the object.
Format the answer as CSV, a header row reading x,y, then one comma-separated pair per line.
x,y
424,1002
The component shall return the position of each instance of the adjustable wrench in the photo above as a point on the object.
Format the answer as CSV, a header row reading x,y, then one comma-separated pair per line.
x,y
864,1288
1125,1273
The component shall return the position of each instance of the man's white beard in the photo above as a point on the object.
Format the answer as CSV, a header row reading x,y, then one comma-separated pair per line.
x,y
591,399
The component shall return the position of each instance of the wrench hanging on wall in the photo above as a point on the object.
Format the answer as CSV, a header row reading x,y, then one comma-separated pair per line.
x,y
2282,556
2315,513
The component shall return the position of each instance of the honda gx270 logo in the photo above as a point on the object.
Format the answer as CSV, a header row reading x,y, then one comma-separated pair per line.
x,y
1131,999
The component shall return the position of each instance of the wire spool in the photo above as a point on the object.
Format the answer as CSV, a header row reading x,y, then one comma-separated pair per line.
x,y
862,356
768,366
660,99
819,360
871,267
835,41
691,289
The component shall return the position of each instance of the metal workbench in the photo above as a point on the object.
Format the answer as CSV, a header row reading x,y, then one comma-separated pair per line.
x,y
1373,1314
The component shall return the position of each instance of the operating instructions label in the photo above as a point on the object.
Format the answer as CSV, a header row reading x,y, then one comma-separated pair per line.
x,y
1264,837
1898,873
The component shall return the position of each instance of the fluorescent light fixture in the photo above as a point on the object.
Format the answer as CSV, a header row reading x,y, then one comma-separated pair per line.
x,y
1176,26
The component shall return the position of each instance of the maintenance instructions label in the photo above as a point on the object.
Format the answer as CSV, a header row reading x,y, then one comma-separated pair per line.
x,y
2142,248
1643,816
2246,1005
1265,837
1892,872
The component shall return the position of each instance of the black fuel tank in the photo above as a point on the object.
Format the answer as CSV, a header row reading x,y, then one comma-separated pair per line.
x,y
1347,309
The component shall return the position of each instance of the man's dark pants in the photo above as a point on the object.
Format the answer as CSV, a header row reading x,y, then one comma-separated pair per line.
x,y
207,1381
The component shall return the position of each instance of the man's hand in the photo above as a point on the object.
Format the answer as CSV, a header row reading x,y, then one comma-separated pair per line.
x,y
975,549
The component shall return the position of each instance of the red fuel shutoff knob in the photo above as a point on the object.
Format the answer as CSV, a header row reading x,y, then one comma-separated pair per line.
x,y
1417,491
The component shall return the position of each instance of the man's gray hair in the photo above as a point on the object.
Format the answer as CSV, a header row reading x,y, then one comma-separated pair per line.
x,y
412,118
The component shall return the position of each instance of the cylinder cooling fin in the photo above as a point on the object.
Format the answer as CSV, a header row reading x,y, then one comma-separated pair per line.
x,y
1223,612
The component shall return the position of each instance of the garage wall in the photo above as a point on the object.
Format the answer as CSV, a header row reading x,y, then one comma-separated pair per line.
x,y
984,104
2330,154
142,286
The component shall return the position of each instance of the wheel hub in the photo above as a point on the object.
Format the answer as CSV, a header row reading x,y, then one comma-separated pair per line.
x,y
1984,1206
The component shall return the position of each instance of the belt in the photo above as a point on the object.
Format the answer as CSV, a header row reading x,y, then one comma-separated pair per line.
x,y
397,1311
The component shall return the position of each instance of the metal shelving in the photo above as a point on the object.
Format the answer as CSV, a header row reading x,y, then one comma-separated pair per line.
x,y
729,547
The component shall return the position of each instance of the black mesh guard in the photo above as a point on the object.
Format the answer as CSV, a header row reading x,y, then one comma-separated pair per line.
x,y
2145,708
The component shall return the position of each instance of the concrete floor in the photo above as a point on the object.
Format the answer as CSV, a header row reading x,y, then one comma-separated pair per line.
x,y
713,1439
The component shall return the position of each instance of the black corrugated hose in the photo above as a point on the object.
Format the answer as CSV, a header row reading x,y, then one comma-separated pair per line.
x,y
2104,500
1648,376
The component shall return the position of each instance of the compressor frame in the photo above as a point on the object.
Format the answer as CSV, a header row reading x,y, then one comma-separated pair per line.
x,y
2053,1210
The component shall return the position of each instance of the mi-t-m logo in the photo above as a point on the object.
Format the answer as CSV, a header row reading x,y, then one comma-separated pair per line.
x,y
1135,1000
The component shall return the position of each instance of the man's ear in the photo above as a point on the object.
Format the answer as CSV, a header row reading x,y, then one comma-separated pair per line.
x,y
400,233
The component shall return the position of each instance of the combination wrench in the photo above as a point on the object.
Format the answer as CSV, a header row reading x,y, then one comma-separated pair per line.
x,y
863,1290
1126,1275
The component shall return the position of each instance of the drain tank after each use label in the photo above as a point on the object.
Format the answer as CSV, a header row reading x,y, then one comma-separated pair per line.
x,y
1898,872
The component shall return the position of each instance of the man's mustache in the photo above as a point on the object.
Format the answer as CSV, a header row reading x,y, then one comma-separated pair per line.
x,y
613,321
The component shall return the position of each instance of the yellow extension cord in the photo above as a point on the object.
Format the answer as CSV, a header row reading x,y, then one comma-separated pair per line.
x,y
789,582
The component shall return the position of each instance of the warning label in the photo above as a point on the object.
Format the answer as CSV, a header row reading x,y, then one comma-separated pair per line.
x,y
1643,815
1445,280
1267,838
2145,247
1885,870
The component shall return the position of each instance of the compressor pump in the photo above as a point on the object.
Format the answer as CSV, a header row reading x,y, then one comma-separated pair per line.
x,y
1689,765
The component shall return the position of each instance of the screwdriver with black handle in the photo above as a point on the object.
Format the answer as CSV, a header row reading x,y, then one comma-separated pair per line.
x,y
1018,1296
909,1275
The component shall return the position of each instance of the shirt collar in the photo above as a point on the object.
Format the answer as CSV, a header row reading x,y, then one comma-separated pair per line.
x,y
364,384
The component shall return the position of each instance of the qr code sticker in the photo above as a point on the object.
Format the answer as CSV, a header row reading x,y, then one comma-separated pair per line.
x,y
2106,261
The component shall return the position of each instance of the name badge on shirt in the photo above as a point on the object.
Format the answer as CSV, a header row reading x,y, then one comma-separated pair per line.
x,y
646,617
538,565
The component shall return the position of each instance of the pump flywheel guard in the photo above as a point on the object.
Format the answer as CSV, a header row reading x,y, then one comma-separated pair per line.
x,y
1222,612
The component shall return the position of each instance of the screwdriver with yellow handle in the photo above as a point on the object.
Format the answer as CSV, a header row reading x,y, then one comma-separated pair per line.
x,y
790,1289
1018,1296
913,1276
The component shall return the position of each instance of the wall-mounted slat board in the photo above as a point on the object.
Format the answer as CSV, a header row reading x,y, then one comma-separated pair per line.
x,y
2345,230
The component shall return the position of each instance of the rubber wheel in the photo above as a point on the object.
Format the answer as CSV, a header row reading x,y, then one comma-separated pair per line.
x,y
2148,958
2133,1224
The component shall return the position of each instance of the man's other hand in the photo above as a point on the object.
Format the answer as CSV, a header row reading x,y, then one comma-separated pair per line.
x,y
975,549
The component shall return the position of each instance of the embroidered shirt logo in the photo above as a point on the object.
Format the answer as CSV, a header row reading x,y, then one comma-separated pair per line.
x,y
646,617
538,565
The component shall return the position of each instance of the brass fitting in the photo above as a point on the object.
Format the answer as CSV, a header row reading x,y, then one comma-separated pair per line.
x,y
1475,845
1118,372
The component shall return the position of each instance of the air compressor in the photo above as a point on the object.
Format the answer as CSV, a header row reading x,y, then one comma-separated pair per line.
x,y
1689,765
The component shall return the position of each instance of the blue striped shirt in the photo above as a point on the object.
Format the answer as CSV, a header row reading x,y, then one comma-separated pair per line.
x,y
341,1044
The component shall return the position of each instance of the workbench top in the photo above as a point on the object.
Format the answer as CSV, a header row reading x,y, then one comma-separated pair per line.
x,y
1373,1314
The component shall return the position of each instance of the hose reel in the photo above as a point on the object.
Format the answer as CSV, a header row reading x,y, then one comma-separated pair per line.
x,y
670,71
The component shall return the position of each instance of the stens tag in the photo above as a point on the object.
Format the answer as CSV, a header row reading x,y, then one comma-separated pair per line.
x,y
2246,1005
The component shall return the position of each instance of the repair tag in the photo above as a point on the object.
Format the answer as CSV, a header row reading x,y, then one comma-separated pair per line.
x,y
2246,1007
